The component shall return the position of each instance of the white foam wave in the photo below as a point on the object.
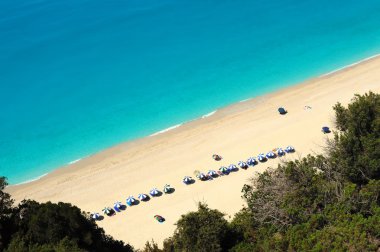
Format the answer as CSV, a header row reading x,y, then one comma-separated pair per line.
x,y
31,180
209,114
75,161
244,100
350,65
166,130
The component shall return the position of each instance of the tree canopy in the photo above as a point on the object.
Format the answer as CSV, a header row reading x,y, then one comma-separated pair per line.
x,y
357,148
203,230
33,226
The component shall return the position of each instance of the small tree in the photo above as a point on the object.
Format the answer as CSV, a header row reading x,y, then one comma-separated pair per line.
x,y
204,230
50,223
5,199
356,150
5,214
32,226
289,194
151,247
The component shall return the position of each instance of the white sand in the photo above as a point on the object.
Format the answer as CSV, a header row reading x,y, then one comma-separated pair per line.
x,y
236,133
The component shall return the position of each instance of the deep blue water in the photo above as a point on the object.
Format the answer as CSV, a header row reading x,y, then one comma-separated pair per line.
x,y
78,76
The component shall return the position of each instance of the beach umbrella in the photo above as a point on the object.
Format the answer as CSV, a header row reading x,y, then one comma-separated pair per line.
x,y
261,157
224,170
289,149
142,196
251,161
95,216
326,129
106,210
282,111
202,176
242,164
232,167
280,152
187,180
154,192
130,200
270,154
168,188
212,173
117,206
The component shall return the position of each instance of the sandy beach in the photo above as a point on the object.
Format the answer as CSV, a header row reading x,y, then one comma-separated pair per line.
x,y
235,132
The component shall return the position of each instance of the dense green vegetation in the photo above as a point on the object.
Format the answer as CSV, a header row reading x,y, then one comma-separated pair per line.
x,y
318,203
32,226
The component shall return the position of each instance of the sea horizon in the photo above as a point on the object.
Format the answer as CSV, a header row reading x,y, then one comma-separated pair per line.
x,y
117,82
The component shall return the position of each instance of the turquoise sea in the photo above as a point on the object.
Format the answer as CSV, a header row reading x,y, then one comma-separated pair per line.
x,y
78,76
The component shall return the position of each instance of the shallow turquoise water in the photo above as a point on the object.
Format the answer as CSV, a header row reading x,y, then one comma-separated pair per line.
x,y
78,76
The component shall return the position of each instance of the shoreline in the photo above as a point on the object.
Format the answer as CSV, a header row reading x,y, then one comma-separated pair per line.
x,y
236,132
174,127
